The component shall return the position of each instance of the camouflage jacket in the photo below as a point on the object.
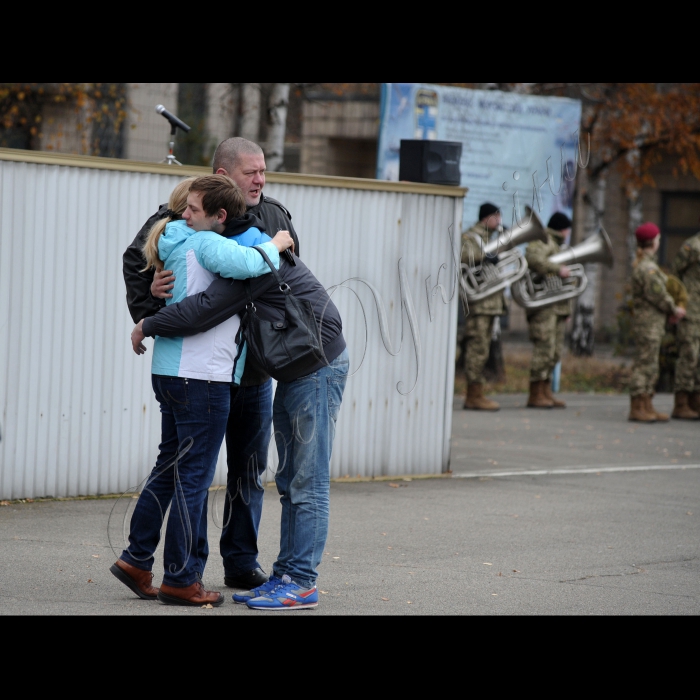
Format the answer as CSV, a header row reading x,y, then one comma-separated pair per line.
x,y
686,266
473,242
537,256
677,290
651,301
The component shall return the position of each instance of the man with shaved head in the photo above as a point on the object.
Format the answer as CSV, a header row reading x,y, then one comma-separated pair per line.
x,y
244,162
250,418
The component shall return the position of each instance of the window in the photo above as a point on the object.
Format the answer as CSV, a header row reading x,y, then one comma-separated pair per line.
x,y
352,157
680,219
193,147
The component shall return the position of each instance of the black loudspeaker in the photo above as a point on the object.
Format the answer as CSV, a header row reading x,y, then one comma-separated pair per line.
x,y
435,162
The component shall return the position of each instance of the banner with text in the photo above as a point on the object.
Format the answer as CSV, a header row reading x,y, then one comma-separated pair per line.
x,y
516,149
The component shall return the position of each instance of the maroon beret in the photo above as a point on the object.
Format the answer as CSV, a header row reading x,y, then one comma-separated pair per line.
x,y
647,231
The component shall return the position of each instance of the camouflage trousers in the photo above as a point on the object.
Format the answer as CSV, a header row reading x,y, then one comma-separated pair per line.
x,y
547,336
645,369
477,330
687,375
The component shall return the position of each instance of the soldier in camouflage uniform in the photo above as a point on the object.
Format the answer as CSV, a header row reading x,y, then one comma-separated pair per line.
x,y
651,304
686,266
547,325
480,314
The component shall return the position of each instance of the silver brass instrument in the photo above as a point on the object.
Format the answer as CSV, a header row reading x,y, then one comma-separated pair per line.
x,y
537,292
485,279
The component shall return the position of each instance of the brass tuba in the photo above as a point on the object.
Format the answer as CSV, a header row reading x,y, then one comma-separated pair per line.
x,y
485,279
537,292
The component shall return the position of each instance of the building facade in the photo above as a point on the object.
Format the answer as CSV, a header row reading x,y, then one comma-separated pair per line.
x,y
332,129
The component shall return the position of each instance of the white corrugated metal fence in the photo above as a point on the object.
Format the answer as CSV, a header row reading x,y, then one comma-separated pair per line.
x,y
78,412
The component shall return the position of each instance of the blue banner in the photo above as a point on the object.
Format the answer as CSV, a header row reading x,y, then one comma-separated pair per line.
x,y
517,149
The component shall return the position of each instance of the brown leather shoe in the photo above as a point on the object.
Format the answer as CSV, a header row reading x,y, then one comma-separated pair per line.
x,y
638,410
537,398
138,580
681,407
694,401
476,400
547,390
660,417
191,595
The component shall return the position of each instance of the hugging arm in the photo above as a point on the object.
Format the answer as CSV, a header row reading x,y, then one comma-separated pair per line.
x,y
200,312
228,258
138,284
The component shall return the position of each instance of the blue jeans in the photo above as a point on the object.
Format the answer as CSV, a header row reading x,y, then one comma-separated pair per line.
x,y
193,412
304,414
247,442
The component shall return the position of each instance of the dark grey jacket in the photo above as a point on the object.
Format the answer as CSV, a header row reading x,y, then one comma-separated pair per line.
x,y
141,304
226,297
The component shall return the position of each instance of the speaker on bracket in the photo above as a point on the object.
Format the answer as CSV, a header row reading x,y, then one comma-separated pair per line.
x,y
434,162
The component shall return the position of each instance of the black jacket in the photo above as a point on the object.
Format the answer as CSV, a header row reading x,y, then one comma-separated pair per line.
x,y
269,215
138,284
226,297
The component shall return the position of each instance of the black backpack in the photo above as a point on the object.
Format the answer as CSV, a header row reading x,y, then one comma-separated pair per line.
x,y
286,350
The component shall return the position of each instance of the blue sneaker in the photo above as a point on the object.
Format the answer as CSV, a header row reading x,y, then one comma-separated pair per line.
x,y
285,596
262,589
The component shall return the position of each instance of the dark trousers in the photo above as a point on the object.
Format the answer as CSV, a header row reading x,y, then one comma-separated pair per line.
x,y
193,419
248,434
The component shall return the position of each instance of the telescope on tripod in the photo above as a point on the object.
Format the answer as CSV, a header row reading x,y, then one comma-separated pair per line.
x,y
175,124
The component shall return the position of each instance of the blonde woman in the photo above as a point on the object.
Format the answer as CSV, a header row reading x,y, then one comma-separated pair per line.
x,y
191,379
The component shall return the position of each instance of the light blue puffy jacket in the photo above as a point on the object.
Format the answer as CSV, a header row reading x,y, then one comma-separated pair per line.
x,y
195,257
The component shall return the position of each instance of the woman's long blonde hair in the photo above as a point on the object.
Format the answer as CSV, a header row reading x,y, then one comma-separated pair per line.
x,y
176,206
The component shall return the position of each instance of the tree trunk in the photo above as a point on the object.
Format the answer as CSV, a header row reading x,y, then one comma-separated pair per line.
x,y
250,111
221,111
279,101
634,218
634,213
582,340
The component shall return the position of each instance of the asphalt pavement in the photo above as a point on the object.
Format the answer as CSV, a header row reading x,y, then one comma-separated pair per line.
x,y
546,512
591,432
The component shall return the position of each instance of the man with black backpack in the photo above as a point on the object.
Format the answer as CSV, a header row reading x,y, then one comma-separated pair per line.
x,y
305,413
